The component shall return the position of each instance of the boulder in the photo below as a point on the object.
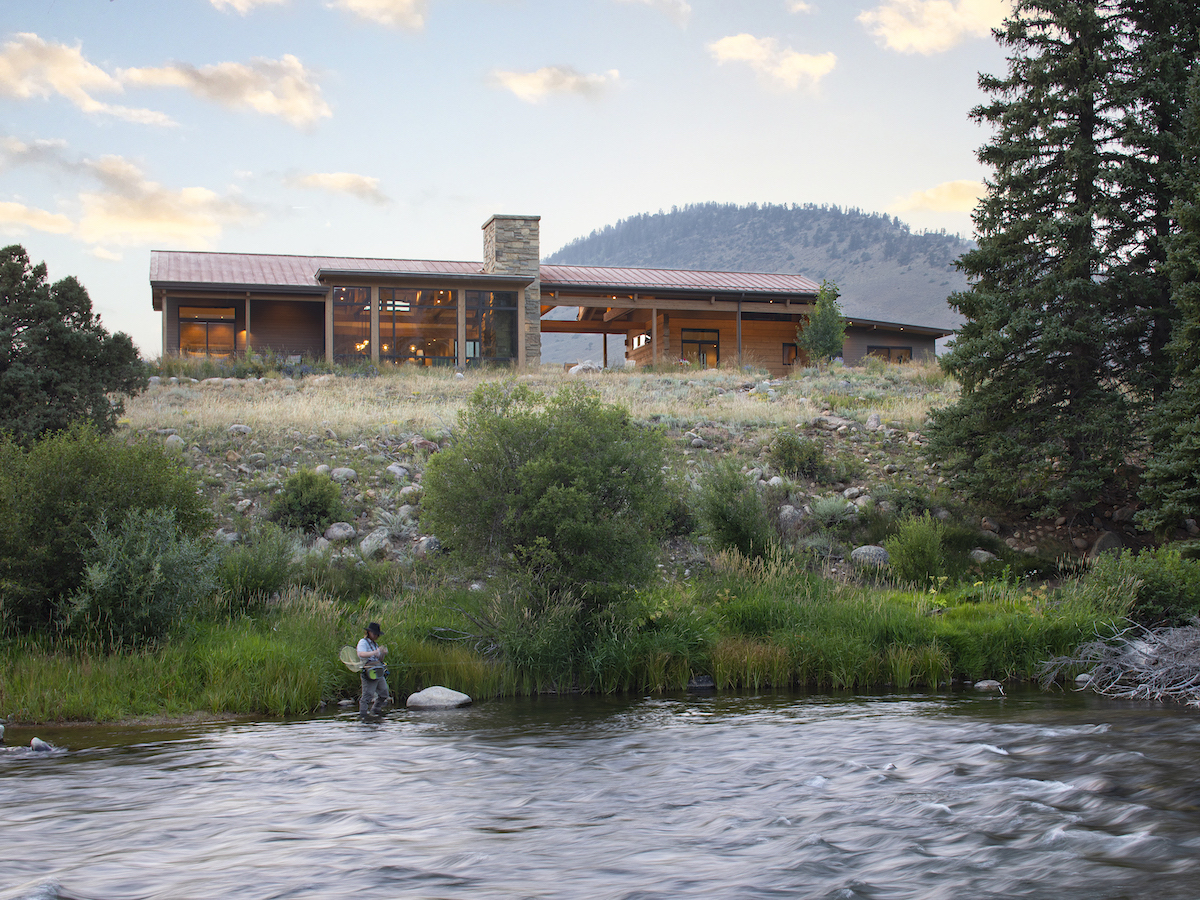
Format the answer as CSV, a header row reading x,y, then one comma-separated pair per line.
x,y
981,556
437,698
869,555
37,745
587,367
398,472
989,684
239,429
175,443
1108,542
343,475
374,543
340,531
322,469
427,546
789,518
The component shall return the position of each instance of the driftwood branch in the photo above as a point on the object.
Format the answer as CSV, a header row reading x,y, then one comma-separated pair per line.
x,y
1138,664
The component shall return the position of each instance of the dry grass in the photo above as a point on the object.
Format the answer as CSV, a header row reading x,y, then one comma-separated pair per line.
x,y
427,402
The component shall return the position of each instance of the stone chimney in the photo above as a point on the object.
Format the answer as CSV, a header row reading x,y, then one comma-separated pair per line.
x,y
511,247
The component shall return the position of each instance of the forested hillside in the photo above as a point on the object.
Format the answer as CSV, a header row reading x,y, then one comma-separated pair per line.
x,y
885,270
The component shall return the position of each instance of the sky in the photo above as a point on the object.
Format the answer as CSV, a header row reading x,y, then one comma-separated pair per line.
x,y
396,128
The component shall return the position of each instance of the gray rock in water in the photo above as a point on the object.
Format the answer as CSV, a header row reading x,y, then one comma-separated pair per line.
x,y
437,698
989,684
1082,679
869,555
340,531
37,745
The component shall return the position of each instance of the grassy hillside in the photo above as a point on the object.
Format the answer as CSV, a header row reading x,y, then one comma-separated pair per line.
x,y
885,270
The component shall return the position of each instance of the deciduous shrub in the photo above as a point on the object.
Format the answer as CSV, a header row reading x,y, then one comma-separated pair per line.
x,y
915,550
252,571
140,577
798,457
732,512
568,489
1154,587
308,501
53,493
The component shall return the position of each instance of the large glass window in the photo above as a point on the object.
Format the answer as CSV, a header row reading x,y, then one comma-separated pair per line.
x,y
418,326
206,331
703,348
351,324
491,326
891,354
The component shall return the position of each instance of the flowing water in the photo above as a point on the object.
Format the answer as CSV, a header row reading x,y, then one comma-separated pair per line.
x,y
907,796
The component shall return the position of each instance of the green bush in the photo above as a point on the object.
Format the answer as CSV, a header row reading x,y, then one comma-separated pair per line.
x,y
569,490
139,579
798,457
732,512
915,551
1154,587
308,501
249,573
55,492
349,579
832,511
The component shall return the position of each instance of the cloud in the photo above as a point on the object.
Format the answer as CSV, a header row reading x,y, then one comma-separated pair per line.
x,y
950,196
362,186
394,13
799,6
16,217
109,255
766,58
932,26
534,87
243,6
31,67
273,87
679,10
124,207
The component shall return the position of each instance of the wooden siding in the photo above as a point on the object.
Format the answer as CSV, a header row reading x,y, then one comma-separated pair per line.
x,y
854,351
763,342
288,327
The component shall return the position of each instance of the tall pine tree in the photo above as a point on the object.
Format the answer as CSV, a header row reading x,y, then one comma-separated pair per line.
x,y
1171,487
1158,47
1041,422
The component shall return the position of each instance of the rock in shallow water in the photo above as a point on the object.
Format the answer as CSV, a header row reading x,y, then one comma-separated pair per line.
x,y
437,698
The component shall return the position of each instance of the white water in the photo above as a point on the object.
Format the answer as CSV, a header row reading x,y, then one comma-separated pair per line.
x,y
960,796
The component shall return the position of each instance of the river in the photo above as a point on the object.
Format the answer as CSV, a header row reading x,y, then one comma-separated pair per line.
x,y
957,795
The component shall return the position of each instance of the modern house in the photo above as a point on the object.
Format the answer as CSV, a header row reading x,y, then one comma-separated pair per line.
x,y
426,312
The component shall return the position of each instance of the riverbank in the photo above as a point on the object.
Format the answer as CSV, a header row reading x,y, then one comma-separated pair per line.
x,y
801,617
744,630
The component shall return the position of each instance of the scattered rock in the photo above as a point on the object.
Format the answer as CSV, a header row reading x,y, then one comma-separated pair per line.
x,y
343,475
427,546
789,518
990,524
374,543
1191,526
242,505
869,555
1108,542
322,469
852,493
424,444
410,494
585,368
398,472
981,556
175,443
239,429
437,697
340,531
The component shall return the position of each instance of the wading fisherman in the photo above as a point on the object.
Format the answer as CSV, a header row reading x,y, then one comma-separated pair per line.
x,y
375,692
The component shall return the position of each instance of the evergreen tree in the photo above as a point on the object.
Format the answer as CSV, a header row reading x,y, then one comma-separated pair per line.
x,y
823,335
57,363
1040,422
1160,42
1171,487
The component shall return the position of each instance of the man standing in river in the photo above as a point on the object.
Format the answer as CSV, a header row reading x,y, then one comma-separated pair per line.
x,y
375,694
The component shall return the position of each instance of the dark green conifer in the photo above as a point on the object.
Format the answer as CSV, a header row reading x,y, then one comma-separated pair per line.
x,y
1041,422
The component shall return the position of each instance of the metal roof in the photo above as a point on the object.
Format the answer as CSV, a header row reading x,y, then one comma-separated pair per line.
x,y
620,278
302,273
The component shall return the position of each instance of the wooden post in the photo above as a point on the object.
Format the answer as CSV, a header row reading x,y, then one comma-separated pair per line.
x,y
375,324
739,330
247,347
654,336
329,326
461,302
